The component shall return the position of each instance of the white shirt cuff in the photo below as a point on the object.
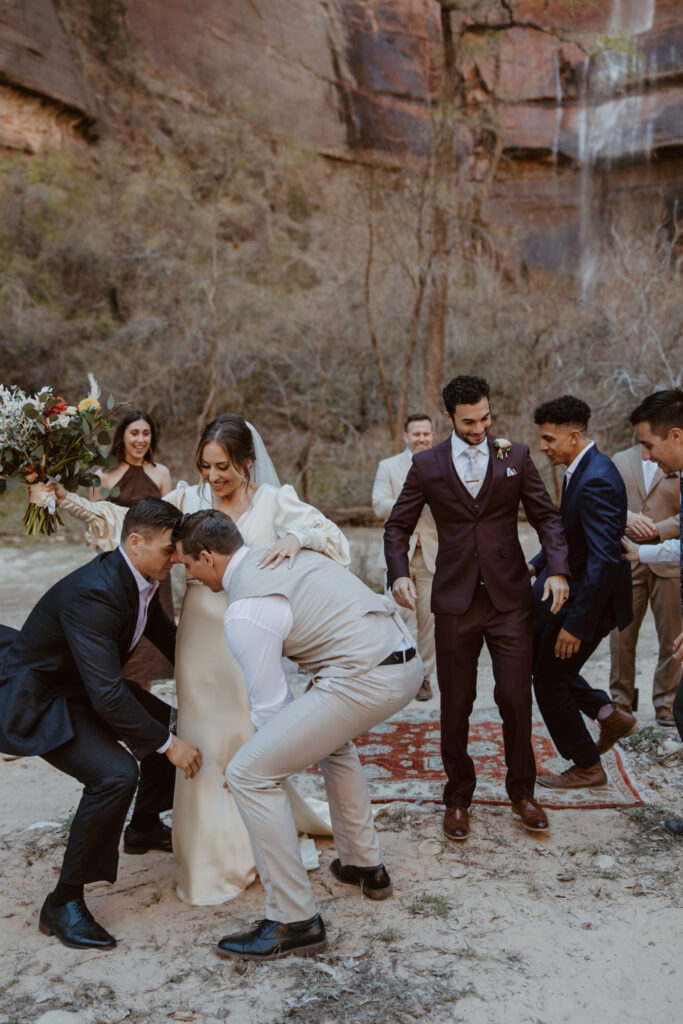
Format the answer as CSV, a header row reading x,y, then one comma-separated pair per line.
x,y
167,744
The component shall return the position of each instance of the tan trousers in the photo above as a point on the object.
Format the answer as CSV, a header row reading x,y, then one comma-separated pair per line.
x,y
664,596
318,727
422,578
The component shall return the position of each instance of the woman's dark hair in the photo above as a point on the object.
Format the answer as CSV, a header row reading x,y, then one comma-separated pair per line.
x,y
232,433
118,447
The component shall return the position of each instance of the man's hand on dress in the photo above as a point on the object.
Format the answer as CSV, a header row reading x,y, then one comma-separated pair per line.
x,y
640,527
678,648
185,755
566,644
559,588
288,546
403,590
631,551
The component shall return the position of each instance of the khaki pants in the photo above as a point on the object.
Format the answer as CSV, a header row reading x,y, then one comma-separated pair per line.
x,y
319,726
663,594
422,578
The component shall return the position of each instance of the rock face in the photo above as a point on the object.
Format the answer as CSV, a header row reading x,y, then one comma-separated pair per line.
x,y
44,98
358,79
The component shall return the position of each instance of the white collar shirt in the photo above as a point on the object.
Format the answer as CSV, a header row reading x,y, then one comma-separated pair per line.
x,y
146,590
571,468
649,471
461,452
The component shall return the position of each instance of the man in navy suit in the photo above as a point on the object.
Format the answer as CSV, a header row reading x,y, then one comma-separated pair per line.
x,y
62,698
593,510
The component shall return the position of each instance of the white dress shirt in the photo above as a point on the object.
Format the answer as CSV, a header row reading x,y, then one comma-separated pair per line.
x,y
649,470
667,551
572,465
256,628
146,589
459,454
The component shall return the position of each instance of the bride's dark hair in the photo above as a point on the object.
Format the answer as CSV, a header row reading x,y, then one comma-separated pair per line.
x,y
232,433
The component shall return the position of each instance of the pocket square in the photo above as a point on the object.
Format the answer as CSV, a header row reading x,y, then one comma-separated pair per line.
x,y
511,472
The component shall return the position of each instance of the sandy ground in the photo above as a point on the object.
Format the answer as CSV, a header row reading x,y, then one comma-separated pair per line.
x,y
584,925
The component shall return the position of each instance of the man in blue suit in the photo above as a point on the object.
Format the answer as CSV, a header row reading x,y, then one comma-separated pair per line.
x,y
593,513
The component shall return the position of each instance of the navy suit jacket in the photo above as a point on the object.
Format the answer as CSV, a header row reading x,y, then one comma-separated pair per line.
x,y
593,513
478,537
74,643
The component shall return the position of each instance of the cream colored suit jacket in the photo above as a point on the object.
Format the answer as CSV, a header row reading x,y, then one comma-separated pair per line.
x,y
391,475
661,504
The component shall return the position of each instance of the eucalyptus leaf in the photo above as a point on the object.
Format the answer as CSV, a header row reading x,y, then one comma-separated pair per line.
x,y
111,402
111,462
103,437
104,492
71,485
114,492
30,411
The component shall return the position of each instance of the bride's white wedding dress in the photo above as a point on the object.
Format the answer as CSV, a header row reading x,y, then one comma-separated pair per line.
x,y
210,843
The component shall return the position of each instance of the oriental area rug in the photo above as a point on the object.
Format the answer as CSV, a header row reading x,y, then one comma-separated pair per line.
x,y
401,759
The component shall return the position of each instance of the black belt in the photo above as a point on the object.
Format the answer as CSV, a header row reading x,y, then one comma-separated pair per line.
x,y
399,657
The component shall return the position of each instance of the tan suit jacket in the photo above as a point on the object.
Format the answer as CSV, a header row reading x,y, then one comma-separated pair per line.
x,y
389,481
661,503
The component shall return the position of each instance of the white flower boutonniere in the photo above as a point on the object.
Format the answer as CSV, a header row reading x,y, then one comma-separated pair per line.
x,y
502,446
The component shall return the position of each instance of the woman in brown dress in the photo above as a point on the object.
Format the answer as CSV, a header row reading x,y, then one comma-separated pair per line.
x,y
139,476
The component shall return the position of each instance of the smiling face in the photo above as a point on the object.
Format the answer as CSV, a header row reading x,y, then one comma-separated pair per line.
x,y
152,553
666,451
472,422
560,443
207,568
419,435
216,467
137,438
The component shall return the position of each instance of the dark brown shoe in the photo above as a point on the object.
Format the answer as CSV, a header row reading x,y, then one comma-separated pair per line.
x,y
575,778
665,717
532,814
615,727
425,691
456,823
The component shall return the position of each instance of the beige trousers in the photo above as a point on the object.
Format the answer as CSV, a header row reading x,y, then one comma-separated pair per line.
x,y
663,594
422,578
318,727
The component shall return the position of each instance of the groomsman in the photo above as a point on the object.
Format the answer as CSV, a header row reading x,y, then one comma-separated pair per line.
x,y
474,485
364,669
593,512
659,425
653,516
62,698
418,435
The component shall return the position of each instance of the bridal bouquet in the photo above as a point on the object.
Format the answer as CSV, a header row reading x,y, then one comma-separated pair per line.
x,y
43,439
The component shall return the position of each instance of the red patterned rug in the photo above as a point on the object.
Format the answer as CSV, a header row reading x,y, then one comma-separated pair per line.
x,y
402,761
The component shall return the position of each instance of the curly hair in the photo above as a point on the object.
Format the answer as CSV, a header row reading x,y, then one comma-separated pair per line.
x,y
564,411
464,390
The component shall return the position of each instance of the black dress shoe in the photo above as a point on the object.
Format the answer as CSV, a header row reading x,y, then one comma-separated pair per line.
x,y
158,838
74,925
374,882
271,940
674,826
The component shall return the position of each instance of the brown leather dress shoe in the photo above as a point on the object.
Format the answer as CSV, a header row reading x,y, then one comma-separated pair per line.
x,y
664,717
425,691
575,778
615,727
456,823
532,814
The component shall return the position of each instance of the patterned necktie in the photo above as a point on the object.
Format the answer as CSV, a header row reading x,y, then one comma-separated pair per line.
x,y
472,471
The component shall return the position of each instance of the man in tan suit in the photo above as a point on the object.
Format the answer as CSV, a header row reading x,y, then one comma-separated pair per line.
x,y
364,669
653,510
418,434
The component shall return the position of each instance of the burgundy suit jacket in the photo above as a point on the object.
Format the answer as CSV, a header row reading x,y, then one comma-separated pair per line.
x,y
477,536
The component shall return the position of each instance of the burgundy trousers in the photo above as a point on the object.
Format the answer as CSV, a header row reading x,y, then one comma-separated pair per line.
x,y
459,639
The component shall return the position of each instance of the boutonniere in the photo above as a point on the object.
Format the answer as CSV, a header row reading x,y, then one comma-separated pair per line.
x,y
502,446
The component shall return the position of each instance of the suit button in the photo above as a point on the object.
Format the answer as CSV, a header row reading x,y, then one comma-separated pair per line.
x,y
476,554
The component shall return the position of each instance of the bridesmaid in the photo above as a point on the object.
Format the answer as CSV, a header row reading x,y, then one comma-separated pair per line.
x,y
139,476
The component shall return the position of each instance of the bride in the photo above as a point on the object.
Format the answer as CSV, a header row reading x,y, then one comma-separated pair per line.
x,y
210,843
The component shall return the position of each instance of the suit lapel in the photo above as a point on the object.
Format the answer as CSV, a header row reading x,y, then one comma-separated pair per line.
x,y
573,485
495,471
132,597
636,466
445,460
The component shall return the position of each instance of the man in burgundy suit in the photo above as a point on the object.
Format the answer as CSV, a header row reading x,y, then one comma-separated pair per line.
x,y
481,590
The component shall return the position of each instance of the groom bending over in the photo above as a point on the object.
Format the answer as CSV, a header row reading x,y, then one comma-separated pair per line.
x,y
62,698
364,669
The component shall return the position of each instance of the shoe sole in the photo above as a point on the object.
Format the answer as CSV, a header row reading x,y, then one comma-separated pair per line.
x,y
584,785
319,947
427,696
71,945
133,850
